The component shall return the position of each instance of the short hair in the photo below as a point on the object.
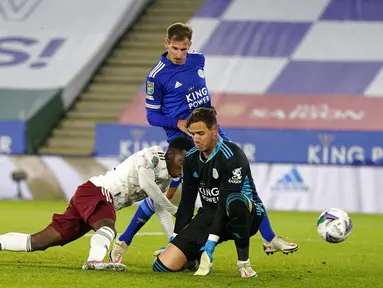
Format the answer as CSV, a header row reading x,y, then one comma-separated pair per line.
x,y
181,143
206,115
179,32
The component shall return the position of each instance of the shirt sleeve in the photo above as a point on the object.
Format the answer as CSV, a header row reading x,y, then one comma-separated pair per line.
x,y
233,177
189,195
165,219
153,102
146,178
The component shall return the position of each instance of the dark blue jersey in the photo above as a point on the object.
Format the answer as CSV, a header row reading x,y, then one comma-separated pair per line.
x,y
174,91
226,171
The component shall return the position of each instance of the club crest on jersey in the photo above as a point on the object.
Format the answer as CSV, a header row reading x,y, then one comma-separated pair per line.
x,y
237,176
200,73
155,161
215,173
149,88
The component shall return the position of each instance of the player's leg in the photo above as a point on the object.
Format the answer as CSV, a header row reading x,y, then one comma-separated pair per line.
x,y
244,222
184,250
102,221
21,242
273,243
64,228
144,212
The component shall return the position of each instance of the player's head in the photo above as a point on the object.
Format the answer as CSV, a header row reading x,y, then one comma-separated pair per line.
x,y
202,125
176,154
178,42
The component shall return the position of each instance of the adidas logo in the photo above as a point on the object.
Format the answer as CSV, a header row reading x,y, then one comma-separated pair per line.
x,y
178,84
195,175
291,182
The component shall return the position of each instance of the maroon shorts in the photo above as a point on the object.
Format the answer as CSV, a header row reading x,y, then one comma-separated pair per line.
x,y
88,205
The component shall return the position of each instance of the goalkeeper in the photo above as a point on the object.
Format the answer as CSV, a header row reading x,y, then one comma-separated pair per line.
x,y
231,209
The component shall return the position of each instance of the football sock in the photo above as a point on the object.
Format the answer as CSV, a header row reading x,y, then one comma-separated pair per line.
x,y
159,267
15,242
144,212
99,243
265,228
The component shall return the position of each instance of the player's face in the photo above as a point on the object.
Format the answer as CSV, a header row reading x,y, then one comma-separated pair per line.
x,y
176,160
204,138
177,50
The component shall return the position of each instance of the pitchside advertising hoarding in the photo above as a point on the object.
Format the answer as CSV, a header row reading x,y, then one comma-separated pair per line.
x,y
268,146
12,137
334,130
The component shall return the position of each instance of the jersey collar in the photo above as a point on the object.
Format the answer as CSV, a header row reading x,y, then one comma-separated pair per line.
x,y
216,149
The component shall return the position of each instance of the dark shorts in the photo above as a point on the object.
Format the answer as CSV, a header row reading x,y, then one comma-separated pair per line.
x,y
88,205
193,237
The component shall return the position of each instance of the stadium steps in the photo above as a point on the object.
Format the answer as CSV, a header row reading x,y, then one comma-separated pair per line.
x,y
118,79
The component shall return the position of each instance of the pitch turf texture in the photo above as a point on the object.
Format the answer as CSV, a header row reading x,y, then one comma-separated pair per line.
x,y
355,263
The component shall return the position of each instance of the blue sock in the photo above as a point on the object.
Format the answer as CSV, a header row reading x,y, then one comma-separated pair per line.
x,y
159,267
144,212
265,229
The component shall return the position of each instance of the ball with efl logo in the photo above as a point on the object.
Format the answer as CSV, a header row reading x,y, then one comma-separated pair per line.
x,y
334,225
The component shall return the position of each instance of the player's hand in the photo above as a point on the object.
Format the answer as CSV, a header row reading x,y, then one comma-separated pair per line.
x,y
206,262
181,125
159,251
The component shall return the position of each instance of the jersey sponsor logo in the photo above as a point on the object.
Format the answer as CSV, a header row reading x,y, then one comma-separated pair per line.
x,y
201,73
197,98
178,84
209,195
215,173
237,176
149,88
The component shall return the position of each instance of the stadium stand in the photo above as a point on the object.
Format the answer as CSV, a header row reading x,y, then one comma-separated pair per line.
x,y
115,83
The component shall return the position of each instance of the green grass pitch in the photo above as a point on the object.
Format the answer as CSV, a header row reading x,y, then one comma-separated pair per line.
x,y
357,262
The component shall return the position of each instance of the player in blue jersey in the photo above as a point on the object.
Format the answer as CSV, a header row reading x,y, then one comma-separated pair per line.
x,y
175,87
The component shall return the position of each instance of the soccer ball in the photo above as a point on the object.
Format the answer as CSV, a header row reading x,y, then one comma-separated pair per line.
x,y
334,225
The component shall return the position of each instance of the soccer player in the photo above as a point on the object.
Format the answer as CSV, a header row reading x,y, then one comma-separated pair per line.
x,y
231,210
174,88
94,204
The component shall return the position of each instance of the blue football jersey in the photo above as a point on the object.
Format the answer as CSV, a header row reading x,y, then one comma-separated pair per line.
x,y
176,90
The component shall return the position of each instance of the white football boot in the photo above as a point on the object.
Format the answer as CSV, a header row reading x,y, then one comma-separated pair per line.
x,y
279,245
104,266
245,269
118,251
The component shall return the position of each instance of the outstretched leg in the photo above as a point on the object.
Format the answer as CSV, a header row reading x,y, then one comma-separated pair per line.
x,y
20,242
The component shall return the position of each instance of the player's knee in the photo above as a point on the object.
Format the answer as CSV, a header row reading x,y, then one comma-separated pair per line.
x,y
237,205
158,266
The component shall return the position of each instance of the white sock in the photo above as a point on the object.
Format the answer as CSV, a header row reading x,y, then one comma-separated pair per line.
x,y
99,243
15,242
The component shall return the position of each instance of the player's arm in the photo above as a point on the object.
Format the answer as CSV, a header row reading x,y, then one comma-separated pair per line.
x,y
153,102
146,178
188,197
165,219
